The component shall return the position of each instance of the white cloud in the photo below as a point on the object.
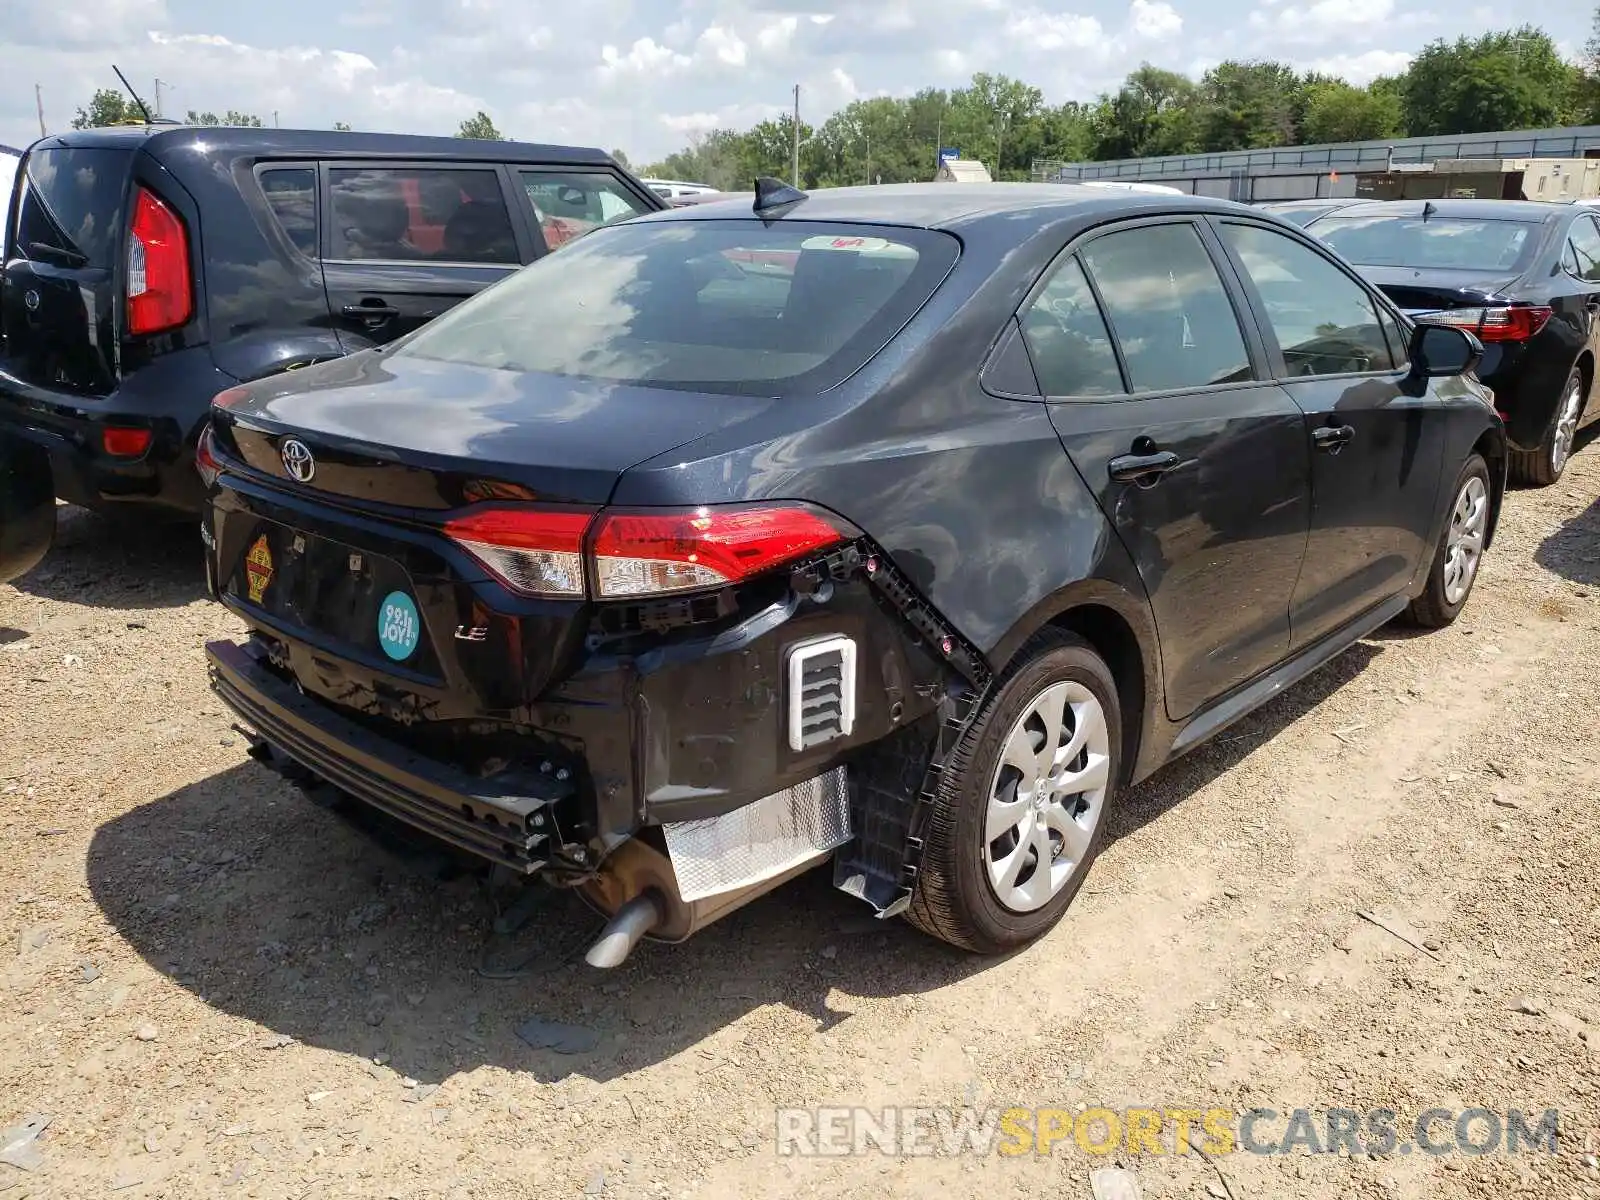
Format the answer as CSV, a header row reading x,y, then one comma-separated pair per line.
x,y
1324,18
1362,69
644,56
1155,20
1050,31
724,45
777,35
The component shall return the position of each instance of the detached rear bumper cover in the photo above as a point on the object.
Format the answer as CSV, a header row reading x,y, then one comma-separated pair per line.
x,y
453,806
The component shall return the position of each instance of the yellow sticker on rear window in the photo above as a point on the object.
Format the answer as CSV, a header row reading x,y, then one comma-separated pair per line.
x,y
258,569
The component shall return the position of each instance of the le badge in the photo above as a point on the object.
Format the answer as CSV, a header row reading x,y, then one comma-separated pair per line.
x,y
258,569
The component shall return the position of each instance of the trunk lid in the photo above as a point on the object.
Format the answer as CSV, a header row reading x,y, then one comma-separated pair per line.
x,y
58,289
355,563
1433,290
421,434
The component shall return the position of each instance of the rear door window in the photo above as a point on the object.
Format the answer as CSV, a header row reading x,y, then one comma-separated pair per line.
x,y
73,205
1325,322
569,204
292,194
1167,306
420,214
1067,338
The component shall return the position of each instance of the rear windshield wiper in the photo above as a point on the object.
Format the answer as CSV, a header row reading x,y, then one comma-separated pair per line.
x,y
72,258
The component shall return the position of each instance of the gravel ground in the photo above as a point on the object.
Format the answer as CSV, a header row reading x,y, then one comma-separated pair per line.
x,y
213,987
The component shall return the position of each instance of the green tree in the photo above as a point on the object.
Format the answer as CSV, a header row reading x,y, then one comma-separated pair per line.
x,y
1589,86
107,107
622,160
232,118
1337,112
481,127
1154,112
1248,105
1515,80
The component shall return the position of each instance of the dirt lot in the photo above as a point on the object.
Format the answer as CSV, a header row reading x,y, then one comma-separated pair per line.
x,y
216,988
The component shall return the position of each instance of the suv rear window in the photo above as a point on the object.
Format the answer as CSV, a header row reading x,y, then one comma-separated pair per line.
x,y
719,306
72,205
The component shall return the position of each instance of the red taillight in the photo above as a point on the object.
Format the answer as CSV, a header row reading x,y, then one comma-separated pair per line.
x,y
124,443
160,293
534,551
230,397
643,554
540,552
1507,323
205,456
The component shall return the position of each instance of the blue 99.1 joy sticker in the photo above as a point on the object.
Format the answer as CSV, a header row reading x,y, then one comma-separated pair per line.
x,y
399,628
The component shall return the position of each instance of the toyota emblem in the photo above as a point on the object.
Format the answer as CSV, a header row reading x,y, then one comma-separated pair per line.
x,y
30,300
297,460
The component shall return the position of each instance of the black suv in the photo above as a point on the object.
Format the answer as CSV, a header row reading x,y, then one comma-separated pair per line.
x,y
149,268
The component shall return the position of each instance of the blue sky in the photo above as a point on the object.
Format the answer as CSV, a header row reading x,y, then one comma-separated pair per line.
x,y
646,75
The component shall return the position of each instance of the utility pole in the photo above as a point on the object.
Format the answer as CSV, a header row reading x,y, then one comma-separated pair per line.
x,y
38,101
275,118
1000,147
869,158
159,81
795,165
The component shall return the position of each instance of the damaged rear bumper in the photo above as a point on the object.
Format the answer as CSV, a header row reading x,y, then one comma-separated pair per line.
x,y
507,828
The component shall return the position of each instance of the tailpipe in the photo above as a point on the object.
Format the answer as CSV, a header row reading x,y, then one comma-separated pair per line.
x,y
626,930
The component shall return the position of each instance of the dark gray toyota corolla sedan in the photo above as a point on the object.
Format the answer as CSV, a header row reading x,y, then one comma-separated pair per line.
x,y
902,528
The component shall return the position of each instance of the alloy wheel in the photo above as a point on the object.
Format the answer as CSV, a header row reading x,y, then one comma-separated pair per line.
x,y
1566,426
1047,795
1463,548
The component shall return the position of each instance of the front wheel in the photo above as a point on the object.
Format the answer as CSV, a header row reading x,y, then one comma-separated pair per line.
x,y
1021,807
1543,465
1455,562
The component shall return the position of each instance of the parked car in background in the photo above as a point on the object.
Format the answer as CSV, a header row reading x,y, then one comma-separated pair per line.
x,y
148,268
1303,212
999,496
692,198
674,189
1523,276
1118,185
27,506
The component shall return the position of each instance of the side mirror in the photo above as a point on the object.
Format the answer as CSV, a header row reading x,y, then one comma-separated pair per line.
x,y
1438,351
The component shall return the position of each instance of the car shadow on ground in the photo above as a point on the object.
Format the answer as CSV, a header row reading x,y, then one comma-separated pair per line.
x,y
1573,551
331,929
128,562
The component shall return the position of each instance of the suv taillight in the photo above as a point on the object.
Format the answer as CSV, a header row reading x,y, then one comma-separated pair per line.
x,y
160,292
540,552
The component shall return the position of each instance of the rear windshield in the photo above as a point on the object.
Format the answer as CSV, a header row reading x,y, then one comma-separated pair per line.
x,y
720,306
1447,243
71,205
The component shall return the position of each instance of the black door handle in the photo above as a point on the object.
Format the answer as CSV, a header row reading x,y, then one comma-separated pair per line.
x,y
371,312
1142,469
1333,438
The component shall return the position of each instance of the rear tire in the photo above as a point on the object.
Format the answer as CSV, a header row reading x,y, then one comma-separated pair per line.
x,y
985,883
1543,466
1460,550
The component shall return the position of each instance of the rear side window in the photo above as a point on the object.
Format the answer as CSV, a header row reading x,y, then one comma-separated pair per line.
x,y
1325,322
292,193
1171,315
410,214
1585,243
1067,338
568,204
718,306
72,206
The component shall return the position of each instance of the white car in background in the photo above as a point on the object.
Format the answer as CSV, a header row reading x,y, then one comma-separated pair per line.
x,y
672,189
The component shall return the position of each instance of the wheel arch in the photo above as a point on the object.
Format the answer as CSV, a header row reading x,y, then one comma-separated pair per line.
x,y
1119,628
1491,444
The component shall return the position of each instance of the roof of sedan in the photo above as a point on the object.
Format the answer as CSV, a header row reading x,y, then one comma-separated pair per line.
x,y
955,205
1483,210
